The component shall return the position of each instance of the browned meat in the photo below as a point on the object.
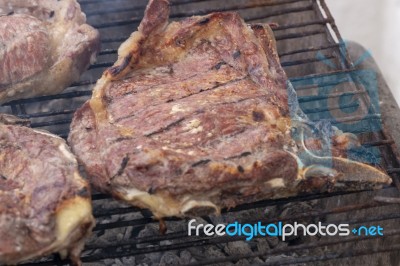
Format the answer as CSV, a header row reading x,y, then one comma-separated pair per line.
x,y
45,203
194,117
44,46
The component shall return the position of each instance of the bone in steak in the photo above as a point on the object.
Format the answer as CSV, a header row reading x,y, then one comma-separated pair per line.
x,y
45,46
194,117
45,203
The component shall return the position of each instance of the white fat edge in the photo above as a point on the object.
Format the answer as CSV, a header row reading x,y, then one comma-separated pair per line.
x,y
133,193
71,216
162,206
199,203
67,154
42,132
276,182
63,148
157,204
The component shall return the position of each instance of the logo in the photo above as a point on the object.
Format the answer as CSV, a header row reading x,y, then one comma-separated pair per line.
x,y
279,229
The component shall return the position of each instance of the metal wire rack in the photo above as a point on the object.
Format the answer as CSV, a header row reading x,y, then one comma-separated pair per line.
x,y
303,29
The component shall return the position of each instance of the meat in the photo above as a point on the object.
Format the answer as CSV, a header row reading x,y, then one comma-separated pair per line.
x,y
45,203
45,46
194,117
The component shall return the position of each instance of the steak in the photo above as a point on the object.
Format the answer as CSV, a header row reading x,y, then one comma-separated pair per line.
x,y
195,116
45,46
45,203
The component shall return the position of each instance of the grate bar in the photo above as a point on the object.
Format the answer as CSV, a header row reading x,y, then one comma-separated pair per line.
x,y
319,76
180,3
183,15
114,211
299,35
298,25
136,8
302,62
310,49
379,143
327,109
108,51
73,94
323,97
101,65
51,123
101,196
83,83
393,170
44,114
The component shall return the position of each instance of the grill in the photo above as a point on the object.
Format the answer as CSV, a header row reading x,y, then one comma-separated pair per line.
x,y
313,55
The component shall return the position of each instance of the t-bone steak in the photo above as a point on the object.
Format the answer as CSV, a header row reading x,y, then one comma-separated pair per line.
x,y
194,117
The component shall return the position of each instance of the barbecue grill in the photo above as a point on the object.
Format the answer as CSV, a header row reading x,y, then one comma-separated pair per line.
x,y
313,55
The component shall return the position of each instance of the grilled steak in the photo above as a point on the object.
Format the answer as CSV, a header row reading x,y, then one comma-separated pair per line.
x,y
45,46
194,117
45,204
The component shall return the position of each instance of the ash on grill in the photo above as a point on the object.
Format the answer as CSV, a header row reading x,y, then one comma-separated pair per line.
x,y
125,235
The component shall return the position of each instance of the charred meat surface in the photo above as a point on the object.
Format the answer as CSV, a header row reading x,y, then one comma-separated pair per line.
x,y
45,45
194,117
45,203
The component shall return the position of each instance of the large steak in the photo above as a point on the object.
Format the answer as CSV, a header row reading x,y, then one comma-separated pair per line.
x,y
45,204
194,116
45,45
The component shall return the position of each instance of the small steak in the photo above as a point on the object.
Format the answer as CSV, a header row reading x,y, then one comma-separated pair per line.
x,y
45,203
194,117
45,45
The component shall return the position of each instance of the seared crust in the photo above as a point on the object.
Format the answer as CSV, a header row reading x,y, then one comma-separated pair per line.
x,y
46,204
46,45
194,117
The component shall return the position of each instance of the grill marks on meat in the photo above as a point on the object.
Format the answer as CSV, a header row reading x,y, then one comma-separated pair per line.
x,y
200,109
45,203
44,46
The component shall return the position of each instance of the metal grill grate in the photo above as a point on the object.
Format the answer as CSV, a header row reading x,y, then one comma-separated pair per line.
x,y
304,28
